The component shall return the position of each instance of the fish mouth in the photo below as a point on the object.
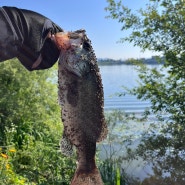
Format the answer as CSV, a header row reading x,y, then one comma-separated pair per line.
x,y
68,40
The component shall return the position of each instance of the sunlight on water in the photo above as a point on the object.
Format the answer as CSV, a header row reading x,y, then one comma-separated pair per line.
x,y
114,78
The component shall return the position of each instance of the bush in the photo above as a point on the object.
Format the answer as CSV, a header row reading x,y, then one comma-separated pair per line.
x,y
30,122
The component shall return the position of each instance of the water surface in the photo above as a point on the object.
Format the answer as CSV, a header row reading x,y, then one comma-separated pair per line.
x,y
170,171
114,78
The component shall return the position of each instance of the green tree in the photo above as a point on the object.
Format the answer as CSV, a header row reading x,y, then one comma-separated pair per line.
x,y
26,97
159,27
30,123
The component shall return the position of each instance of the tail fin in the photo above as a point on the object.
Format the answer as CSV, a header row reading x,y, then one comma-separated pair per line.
x,y
87,178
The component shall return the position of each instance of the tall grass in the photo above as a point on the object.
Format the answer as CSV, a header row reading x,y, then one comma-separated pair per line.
x,y
112,173
111,167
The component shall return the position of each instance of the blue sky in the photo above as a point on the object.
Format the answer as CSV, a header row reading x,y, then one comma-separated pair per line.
x,y
89,15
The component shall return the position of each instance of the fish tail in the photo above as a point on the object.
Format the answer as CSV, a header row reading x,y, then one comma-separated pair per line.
x,y
87,178
87,172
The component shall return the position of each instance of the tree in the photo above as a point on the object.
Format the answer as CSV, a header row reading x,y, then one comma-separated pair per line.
x,y
159,27
26,97
30,123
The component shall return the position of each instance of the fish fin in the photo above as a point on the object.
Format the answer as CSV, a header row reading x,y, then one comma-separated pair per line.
x,y
87,178
103,133
66,146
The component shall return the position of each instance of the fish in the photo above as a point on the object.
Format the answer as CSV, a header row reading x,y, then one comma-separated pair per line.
x,y
81,98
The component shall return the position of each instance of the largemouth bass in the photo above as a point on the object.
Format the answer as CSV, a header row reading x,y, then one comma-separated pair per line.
x,y
81,98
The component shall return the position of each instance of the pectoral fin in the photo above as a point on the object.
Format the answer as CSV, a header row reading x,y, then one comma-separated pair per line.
x,y
66,146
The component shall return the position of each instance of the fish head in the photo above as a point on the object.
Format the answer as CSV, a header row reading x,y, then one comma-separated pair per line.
x,y
76,51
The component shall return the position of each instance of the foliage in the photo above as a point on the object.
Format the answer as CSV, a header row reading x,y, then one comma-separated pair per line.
x,y
26,98
160,27
30,130
108,61
7,174
110,162
111,172
30,123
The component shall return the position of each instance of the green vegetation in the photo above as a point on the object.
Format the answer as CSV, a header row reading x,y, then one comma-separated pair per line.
x,y
30,125
30,128
111,167
151,61
159,27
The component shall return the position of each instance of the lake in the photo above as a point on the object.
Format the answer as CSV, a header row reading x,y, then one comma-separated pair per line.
x,y
114,77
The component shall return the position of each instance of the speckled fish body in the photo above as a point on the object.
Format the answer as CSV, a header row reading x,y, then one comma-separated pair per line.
x,y
81,98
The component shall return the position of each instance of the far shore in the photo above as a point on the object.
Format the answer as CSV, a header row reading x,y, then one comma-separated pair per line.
x,y
154,60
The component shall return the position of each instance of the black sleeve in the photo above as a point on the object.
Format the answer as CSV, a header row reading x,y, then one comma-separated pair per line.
x,y
50,54
49,26
49,50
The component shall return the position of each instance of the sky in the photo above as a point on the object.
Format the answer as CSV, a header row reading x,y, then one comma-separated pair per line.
x,y
90,15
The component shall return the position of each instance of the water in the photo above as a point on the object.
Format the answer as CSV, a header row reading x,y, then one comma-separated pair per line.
x,y
114,78
168,170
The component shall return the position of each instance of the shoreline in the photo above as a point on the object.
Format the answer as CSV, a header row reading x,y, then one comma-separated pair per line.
x,y
155,60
